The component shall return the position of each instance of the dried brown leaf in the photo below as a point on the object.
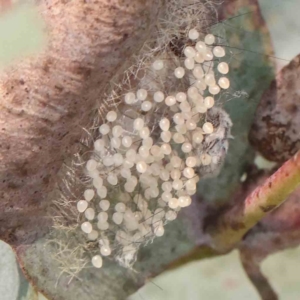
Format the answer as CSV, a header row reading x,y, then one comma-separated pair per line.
x,y
275,131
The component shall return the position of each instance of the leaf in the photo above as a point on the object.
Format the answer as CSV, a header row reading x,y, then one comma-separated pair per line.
x,y
47,98
275,130
251,73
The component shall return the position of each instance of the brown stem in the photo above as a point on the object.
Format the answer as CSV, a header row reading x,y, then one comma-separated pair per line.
x,y
261,283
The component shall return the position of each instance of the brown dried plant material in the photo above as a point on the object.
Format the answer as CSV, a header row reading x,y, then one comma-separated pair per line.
x,y
45,100
253,271
275,131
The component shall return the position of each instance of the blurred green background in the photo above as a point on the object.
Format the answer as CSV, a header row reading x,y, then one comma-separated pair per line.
x,y
21,33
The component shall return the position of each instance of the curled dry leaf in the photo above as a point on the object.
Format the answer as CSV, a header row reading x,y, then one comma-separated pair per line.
x,y
47,99
275,131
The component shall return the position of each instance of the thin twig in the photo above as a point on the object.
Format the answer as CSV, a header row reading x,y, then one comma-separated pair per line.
x,y
261,283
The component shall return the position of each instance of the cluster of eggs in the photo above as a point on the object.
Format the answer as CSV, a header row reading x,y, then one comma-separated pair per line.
x,y
143,173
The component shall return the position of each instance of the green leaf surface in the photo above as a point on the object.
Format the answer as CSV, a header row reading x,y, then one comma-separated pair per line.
x,y
250,75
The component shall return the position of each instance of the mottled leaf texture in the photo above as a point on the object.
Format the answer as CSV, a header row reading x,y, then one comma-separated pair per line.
x,y
252,72
47,98
275,132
